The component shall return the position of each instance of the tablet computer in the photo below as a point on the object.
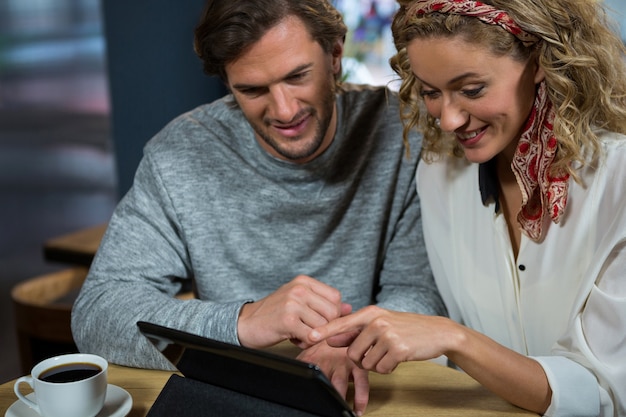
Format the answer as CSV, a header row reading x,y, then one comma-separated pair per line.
x,y
274,378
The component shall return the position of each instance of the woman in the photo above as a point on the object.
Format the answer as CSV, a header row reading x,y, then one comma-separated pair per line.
x,y
523,199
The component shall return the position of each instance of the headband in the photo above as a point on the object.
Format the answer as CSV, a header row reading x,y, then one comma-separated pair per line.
x,y
484,12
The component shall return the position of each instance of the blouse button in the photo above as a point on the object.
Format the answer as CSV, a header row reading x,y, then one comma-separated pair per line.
x,y
522,267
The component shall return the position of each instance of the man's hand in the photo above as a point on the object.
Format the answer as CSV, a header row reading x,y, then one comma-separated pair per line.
x,y
290,312
340,370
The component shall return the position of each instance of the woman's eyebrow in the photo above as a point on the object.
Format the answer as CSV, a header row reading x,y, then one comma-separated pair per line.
x,y
453,81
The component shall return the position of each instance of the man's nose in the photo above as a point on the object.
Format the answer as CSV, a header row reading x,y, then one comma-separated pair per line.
x,y
283,105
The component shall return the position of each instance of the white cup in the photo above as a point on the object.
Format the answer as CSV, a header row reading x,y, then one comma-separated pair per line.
x,y
75,398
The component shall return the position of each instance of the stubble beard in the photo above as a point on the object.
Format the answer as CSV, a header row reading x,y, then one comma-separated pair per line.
x,y
308,147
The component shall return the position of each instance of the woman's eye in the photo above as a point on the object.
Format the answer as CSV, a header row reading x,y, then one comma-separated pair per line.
x,y
473,92
430,94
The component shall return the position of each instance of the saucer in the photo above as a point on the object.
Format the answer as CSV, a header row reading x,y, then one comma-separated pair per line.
x,y
118,403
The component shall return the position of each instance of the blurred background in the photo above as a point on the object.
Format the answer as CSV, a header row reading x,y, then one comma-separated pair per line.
x,y
74,114
56,161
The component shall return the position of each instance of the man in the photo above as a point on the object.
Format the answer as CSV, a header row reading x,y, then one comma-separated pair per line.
x,y
287,203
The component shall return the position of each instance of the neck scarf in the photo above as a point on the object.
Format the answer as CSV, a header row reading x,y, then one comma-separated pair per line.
x,y
542,192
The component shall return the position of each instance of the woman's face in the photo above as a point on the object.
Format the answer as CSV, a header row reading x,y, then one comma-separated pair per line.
x,y
483,99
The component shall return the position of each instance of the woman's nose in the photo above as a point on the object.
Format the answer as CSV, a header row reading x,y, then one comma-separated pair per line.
x,y
452,117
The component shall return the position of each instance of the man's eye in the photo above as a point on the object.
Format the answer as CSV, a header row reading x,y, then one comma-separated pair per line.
x,y
252,92
297,77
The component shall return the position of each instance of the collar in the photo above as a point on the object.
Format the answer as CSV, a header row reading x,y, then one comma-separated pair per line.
x,y
488,184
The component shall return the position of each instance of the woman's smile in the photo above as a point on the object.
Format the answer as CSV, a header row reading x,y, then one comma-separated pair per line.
x,y
471,138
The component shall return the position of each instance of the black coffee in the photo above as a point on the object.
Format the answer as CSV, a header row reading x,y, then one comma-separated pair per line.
x,y
70,372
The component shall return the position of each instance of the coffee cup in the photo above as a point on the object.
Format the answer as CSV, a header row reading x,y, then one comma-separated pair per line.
x,y
71,385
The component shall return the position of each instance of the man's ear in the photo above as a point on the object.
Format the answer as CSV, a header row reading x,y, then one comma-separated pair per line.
x,y
337,54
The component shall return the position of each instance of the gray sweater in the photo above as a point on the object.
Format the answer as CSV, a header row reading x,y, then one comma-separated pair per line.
x,y
209,207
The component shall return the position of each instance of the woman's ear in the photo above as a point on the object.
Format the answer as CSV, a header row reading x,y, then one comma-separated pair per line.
x,y
540,74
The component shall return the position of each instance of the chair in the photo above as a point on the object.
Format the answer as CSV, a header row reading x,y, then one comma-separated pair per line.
x,y
42,307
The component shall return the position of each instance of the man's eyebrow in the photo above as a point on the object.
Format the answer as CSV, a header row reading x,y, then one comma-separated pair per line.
x,y
298,69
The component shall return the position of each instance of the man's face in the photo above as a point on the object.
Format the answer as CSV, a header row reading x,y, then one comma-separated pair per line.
x,y
285,86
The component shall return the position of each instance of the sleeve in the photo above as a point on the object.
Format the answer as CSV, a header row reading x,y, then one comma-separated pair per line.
x,y
590,380
129,281
602,326
406,279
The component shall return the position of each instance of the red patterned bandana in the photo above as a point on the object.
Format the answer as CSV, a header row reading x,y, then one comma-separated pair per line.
x,y
483,12
542,193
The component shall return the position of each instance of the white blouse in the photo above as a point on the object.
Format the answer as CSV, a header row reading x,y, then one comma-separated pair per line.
x,y
563,300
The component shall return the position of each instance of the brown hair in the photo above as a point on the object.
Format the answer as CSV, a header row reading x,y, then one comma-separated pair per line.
x,y
228,27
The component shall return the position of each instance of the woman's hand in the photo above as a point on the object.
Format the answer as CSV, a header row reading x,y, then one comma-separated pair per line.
x,y
380,339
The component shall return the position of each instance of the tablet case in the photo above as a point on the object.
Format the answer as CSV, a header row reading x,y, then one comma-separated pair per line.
x,y
186,397
221,379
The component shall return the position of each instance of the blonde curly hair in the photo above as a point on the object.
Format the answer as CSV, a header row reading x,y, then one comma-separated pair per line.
x,y
579,50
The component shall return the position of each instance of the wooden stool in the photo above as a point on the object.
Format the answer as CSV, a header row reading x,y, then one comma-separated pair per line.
x,y
43,307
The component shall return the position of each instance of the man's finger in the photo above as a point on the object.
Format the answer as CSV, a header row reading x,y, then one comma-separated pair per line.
x,y
339,379
345,309
323,290
361,391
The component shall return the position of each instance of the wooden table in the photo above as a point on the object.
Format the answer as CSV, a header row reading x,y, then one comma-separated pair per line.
x,y
413,389
77,248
